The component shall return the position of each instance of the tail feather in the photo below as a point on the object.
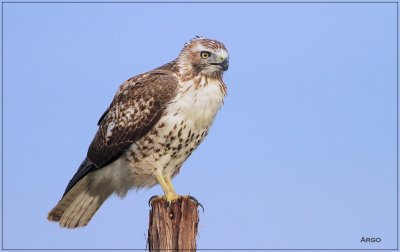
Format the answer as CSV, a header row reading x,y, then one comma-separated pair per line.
x,y
73,213
88,212
57,212
79,205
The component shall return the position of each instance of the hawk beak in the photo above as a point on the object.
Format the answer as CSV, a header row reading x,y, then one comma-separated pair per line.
x,y
224,64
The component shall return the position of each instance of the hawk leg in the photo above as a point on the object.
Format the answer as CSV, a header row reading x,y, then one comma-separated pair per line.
x,y
168,188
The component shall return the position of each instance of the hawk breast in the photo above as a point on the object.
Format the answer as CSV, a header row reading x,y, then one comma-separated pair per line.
x,y
183,126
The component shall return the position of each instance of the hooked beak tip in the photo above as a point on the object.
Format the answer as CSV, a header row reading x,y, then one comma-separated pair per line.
x,y
223,64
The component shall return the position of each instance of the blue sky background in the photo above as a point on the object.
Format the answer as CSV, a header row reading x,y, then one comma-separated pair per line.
x,y
302,154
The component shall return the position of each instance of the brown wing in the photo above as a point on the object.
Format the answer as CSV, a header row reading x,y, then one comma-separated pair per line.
x,y
136,108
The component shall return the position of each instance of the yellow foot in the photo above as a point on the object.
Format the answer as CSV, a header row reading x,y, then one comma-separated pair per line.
x,y
168,197
171,197
168,189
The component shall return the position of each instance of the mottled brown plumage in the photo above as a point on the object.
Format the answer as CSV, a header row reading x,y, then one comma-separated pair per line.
x,y
155,121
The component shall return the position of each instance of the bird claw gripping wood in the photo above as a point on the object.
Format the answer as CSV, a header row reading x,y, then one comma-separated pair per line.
x,y
196,201
152,198
165,198
168,203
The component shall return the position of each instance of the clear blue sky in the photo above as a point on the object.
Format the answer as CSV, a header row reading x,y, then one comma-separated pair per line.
x,y
302,154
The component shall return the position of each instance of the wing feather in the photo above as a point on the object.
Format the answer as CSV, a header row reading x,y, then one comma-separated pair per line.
x,y
135,109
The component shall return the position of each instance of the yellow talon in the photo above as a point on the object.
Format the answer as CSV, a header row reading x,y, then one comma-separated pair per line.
x,y
166,184
171,197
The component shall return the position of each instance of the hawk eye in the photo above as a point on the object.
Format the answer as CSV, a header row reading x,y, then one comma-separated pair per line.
x,y
205,54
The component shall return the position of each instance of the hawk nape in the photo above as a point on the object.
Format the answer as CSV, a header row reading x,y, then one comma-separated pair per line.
x,y
153,124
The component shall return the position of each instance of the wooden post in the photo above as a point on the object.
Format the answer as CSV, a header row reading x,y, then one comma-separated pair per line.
x,y
174,226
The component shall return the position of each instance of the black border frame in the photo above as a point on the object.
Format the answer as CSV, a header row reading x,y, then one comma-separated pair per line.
x,y
205,2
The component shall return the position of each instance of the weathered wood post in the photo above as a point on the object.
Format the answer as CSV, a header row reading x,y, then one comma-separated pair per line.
x,y
173,226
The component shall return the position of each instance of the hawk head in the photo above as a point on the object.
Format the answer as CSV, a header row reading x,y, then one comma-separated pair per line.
x,y
202,56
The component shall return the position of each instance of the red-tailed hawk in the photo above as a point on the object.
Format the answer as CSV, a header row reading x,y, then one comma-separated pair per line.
x,y
153,124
